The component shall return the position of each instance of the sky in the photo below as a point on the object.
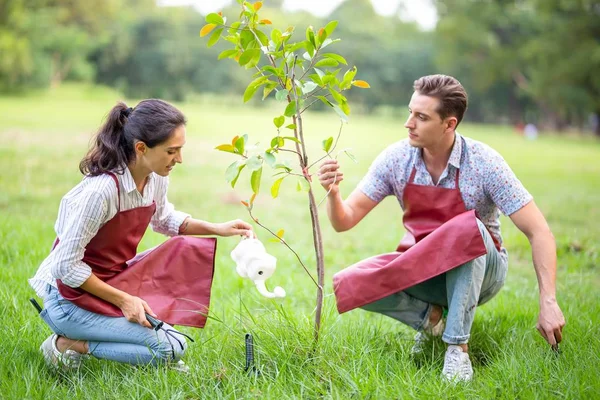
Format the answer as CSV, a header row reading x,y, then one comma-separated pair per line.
x,y
421,11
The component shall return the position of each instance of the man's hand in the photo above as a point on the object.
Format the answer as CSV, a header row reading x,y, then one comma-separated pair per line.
x,y
135,309
330,176
235,227
550,322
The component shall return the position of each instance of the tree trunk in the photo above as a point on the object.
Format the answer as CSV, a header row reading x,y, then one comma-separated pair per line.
x,y
318,243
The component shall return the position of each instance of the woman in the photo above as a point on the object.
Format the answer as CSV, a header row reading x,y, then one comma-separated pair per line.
x,y
97,292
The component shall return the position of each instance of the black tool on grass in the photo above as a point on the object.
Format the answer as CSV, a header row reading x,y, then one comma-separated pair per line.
x,y
250,365
36,305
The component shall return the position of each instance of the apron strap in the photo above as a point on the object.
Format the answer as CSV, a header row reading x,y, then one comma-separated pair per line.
x,y
118,190
456,178
412,175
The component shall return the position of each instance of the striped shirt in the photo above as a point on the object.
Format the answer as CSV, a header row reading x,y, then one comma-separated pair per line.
x,y
486,182
85,209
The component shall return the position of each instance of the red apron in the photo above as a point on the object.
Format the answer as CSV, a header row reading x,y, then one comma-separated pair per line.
x,y
174,278
440,235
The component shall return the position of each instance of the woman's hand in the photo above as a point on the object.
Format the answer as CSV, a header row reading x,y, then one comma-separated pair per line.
x,y
135,309
235,227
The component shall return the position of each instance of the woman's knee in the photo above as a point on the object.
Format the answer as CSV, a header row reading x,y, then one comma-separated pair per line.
x,y
170,347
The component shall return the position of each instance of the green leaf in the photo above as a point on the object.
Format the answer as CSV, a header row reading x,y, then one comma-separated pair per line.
x,y
268,89
227,54
293,139
276,36
247,39
270,159
255,180
309,87
319,72
214,18
310,37
325,100
345,107
330,27
281,95
254,163
277,141
275,187
234,27
327,62
290,110
335,57
248,55
327,144
291,126
337,96
264,39
253,87
240,144
214,38
275,71
339,112
233,172
279,121
302,185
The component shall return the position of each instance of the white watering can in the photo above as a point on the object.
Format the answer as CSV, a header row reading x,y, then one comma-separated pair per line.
x,y
253,262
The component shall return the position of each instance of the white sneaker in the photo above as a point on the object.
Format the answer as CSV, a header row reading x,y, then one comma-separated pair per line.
x,y
422,336
457,365
179,366
68,360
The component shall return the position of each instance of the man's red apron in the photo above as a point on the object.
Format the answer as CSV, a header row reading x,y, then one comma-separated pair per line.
x,y
440,235
174,278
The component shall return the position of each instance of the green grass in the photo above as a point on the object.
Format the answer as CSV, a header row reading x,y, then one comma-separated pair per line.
x,y
360,355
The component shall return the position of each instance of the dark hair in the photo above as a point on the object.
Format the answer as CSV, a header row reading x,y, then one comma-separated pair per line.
x,y
448,90
151,121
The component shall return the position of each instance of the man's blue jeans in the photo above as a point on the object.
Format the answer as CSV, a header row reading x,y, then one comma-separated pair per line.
x,y
460,290
110,338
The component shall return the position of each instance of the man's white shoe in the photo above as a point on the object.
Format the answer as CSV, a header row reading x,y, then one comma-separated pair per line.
x,y
70,359
457,365
422,336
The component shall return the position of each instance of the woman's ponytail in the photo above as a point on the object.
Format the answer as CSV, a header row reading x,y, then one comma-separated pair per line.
x,y
111,150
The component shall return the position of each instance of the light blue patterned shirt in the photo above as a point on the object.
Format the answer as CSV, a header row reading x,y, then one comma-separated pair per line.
x,y
486,182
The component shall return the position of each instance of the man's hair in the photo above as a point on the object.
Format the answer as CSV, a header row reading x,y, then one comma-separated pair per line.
x,y
448,90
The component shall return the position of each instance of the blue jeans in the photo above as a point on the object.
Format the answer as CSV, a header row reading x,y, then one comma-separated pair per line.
x,y
108,337
460,290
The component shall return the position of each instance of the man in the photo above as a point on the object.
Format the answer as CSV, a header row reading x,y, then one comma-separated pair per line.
x,y
451,189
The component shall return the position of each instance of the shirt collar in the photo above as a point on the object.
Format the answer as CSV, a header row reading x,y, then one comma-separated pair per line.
x,y
128,182
455,155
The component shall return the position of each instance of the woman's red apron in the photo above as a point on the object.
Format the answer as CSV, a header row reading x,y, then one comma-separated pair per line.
x,y
440,235
174,278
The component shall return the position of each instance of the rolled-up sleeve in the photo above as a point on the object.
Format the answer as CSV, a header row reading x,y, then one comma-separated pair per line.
x,y
84,221
503,187
376,184
166,220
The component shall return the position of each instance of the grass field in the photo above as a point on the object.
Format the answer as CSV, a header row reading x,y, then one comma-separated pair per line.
x,y
360,355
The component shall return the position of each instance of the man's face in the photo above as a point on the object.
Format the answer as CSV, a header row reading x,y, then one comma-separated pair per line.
x,y
162,158
425,126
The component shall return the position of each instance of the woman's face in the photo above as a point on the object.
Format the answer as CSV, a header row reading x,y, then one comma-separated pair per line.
x,y
162,158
